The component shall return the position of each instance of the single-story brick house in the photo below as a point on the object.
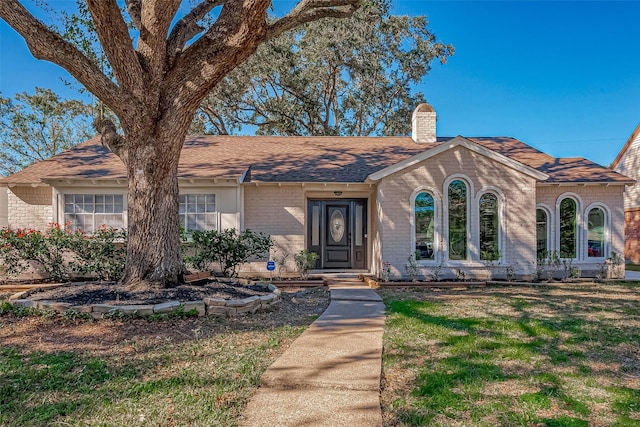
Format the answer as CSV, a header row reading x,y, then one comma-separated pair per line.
x,y
627,162
364,204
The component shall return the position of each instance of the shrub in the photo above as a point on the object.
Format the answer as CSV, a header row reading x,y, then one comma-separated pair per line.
x,y
305,262
228,248
102,253
48,249
58,252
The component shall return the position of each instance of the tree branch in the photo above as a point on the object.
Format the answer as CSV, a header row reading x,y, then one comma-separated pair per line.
x,y
312,10
155,21
116,42
110,138
134,7
48,45
187,28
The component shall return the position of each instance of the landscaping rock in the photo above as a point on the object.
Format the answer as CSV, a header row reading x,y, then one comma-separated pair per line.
x,y
26,303
166,307
268,300
101,308
220,311
215,302
135,310
82,308
198,305
17,296
59,307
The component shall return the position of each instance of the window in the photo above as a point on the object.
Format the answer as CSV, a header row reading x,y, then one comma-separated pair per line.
x,y
424,222
457,196
542,227
596,233
568,232
88,212
198,212
489,227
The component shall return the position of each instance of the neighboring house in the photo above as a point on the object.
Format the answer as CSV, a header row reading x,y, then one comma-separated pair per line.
x,y
362,203
628,162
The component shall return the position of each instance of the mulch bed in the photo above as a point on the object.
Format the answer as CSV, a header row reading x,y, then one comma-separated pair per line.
x,y
111,293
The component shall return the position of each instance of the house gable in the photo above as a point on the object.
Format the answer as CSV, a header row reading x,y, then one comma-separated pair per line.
x,y
635,137
458,141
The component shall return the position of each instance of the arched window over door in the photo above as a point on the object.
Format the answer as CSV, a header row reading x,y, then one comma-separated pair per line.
x,y
489,227
457,207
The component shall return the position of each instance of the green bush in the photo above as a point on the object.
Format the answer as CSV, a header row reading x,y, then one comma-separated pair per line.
x,y
59,252
101,254
48,249
227,248
305,262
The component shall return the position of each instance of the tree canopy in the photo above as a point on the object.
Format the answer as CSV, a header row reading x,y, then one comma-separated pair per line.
x,y
36,127
350,76
162,65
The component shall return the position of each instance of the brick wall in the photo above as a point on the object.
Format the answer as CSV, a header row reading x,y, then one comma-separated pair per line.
x,y
29,207
395,194
609,196
632,235
423,126
629,165
278,211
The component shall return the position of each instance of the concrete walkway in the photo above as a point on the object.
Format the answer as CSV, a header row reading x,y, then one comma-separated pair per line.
x,y
330,375
632,275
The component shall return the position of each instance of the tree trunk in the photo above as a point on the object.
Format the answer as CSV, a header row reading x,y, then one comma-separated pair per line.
x,y
153,251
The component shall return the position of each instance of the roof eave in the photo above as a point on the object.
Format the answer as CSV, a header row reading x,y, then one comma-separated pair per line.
x,y
585,183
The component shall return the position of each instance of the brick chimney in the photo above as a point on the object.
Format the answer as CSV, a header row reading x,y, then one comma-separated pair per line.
x,y
423,124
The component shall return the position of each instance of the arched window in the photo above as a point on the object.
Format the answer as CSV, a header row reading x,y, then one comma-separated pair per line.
x,y
568,231
457,196
489,227
542,233
424,222
596,233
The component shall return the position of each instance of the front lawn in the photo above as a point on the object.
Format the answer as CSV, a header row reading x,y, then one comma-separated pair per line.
x,y
65,371
562,355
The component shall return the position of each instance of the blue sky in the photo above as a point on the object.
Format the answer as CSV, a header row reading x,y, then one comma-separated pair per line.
x,y
563,77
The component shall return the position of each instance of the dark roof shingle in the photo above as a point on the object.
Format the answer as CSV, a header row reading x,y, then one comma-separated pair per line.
x,y
297,159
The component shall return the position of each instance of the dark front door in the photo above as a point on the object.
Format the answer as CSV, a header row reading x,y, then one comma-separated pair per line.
x,y
337,233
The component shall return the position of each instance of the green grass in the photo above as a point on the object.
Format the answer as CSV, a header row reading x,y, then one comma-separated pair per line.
x,y
632,267
204,381
556,356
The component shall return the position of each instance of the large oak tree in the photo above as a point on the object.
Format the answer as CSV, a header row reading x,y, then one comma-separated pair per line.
x,y
162,70
353,76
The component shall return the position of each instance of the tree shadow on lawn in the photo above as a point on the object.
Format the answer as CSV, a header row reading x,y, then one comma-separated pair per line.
x,y
545,354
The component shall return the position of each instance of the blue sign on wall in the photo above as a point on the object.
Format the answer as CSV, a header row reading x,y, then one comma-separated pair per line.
x,y
271,265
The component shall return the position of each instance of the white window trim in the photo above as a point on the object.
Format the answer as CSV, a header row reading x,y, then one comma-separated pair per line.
x,y
550,226
502,202
202,192
58,201
445,228
607,232
579,224
437,218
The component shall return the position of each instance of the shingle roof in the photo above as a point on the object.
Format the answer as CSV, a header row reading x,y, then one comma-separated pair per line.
x,y
297,159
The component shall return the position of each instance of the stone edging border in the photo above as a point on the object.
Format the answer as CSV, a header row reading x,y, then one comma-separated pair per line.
x,y
216,307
